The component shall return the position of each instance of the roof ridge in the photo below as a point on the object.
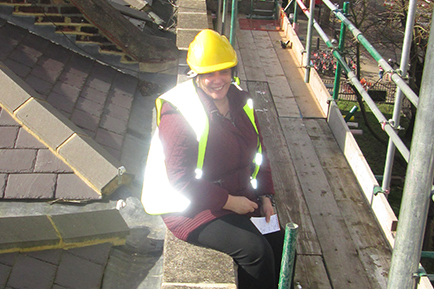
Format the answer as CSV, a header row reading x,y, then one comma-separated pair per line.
x,y
89,161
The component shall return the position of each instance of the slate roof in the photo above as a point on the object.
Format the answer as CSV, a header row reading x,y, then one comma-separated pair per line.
x,y
131,40
95,97
108,116
29,170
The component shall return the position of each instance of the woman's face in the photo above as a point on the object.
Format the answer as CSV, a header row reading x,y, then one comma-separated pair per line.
x,y
215,84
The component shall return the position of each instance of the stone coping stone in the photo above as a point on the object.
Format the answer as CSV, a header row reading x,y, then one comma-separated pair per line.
x,y
189,266
185,36
192,18
89,161
92,163
192,6
55,231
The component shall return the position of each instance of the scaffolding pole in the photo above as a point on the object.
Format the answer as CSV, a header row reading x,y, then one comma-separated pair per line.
x,y
408,37
341,48
219,17
234,16
417,188
309,40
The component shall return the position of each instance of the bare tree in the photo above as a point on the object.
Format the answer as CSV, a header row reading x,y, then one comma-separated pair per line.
x,y
383,24
397,16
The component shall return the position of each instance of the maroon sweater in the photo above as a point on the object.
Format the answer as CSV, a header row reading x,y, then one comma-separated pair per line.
x,y
227,166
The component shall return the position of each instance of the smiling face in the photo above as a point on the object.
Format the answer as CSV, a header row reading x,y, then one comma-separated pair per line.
x,y
215,84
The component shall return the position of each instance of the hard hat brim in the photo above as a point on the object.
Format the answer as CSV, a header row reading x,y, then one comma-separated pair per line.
x,y
214,68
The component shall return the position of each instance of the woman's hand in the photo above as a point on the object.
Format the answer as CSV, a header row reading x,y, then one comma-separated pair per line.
x,y
267,208
240,205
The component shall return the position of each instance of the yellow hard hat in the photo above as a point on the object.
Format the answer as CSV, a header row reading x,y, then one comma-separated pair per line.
x,y
209,52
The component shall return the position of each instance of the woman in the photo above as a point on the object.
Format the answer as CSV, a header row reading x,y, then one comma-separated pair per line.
x,y
221,199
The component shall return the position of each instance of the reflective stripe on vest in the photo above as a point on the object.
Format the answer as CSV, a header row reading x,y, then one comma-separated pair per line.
x,y
158,197
188,103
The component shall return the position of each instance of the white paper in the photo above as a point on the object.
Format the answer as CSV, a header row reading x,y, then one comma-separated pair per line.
x,y
264,227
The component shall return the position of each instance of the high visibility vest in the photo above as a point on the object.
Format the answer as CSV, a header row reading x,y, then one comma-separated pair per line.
x,y
158,196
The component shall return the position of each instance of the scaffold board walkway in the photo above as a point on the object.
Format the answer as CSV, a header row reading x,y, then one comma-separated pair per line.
x,y
340,244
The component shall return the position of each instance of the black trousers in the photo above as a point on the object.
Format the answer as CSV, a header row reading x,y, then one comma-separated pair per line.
x,y
258,256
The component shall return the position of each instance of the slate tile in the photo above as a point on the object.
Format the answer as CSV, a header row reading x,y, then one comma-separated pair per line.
x,y
110,139
47,162
117,111
47,74
13,34
17,160
49,256
41,86
89,133
117,154
66,114
4,274
114,125
66,90
6,118
3,178
56,54
74,272
8,258
125,83
5,48
70,69
55,286
19,69
31,273
47,61
25,55
98,253
80,65
94,95
61,102
8,136
89,106
134,153
98,84
36,43
121,99
30,186
72,79
103,72
7,40
71,187
26,140
85,120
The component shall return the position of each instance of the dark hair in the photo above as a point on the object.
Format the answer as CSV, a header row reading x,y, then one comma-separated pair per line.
x,y
234,71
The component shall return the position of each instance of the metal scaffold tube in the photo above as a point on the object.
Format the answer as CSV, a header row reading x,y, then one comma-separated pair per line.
x,y
341,47
310,16
374,53
354,80
219,17
224,16
234,15
288,256
408,37
417,187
